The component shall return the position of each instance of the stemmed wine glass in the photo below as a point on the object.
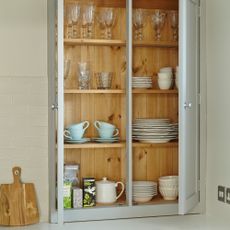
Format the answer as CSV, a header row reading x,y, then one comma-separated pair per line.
x,y
139,17
68,16
158,20
88,20
101,20
174,23
109,17
76,11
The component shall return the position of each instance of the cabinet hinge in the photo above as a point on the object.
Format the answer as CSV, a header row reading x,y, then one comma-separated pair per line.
x,y
54,107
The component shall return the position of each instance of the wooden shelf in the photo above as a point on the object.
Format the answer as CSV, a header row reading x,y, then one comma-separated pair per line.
x,y
94,42
161,44
94,91
148,145
154,91
117,42
93,145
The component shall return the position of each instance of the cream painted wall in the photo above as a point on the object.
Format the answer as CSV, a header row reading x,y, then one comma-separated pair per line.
x,y
218,63
24,94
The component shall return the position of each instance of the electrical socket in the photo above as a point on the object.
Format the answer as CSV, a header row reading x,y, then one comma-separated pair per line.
x,y
221,193
228,195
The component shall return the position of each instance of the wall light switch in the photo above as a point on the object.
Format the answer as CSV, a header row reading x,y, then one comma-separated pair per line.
x,y
228,195
221,193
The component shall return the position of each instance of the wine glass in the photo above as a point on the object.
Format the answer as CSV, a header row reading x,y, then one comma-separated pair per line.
x,y
68,16
109,17
174,23
158,20
138,23
101,20
88,20
76,10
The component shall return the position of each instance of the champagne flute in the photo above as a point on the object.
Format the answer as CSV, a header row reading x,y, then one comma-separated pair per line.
x,y
158,21
174,23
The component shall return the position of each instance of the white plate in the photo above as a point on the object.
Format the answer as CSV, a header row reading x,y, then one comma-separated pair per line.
x,y
155,141
144,183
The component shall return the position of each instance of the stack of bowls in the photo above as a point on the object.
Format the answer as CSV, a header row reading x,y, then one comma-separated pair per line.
x,y
177,77
165,78
168,187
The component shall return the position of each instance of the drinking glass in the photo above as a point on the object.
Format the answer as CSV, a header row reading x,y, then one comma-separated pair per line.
x,y
67,64
174,23
109,17
138,22
84,75
101,20
158,20
68,16
88,20
76,10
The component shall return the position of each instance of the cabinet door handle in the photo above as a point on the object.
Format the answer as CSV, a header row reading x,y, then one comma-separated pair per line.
x,y
187,105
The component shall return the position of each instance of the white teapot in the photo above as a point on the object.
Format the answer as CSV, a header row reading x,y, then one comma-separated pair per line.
x,y
106,191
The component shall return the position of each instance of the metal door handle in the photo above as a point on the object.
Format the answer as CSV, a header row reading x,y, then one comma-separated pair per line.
x,y
187,105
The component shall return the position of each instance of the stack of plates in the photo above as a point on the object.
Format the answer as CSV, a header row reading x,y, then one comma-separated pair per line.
x,y
144,191
154,130
142,82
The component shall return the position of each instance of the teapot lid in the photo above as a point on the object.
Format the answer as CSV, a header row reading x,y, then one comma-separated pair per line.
x,y
105,181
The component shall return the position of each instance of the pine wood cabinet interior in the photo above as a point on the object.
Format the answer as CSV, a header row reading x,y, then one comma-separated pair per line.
x,y
150,161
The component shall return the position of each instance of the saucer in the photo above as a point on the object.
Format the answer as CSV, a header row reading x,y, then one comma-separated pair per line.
x,y
83,140
106,140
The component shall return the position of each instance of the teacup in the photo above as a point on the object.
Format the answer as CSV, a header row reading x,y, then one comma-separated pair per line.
x,y
76,131
106,130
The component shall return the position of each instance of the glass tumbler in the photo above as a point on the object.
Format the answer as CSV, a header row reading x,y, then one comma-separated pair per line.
x,y
83,75
104,80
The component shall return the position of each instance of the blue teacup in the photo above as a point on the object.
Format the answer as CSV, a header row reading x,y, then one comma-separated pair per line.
x,y
106,130
76,131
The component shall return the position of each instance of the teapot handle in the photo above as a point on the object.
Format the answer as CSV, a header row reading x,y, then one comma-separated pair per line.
x,y
122,189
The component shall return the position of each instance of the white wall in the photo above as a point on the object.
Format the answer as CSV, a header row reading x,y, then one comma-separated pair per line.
x,y
218,64
23,94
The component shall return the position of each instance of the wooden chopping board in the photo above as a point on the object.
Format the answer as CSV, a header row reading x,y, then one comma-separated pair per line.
x,y
18,204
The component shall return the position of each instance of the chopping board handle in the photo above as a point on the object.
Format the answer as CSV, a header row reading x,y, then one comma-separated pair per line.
x,y
16,174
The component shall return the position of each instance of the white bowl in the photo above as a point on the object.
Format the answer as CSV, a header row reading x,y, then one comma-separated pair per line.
x,y
168,178
142,199
169,193
164,84
165,76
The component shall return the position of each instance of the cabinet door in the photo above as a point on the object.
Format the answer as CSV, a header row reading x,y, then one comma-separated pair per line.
x,y
189,106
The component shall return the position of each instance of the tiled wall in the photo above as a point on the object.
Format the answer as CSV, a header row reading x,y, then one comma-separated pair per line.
x,y
24,95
